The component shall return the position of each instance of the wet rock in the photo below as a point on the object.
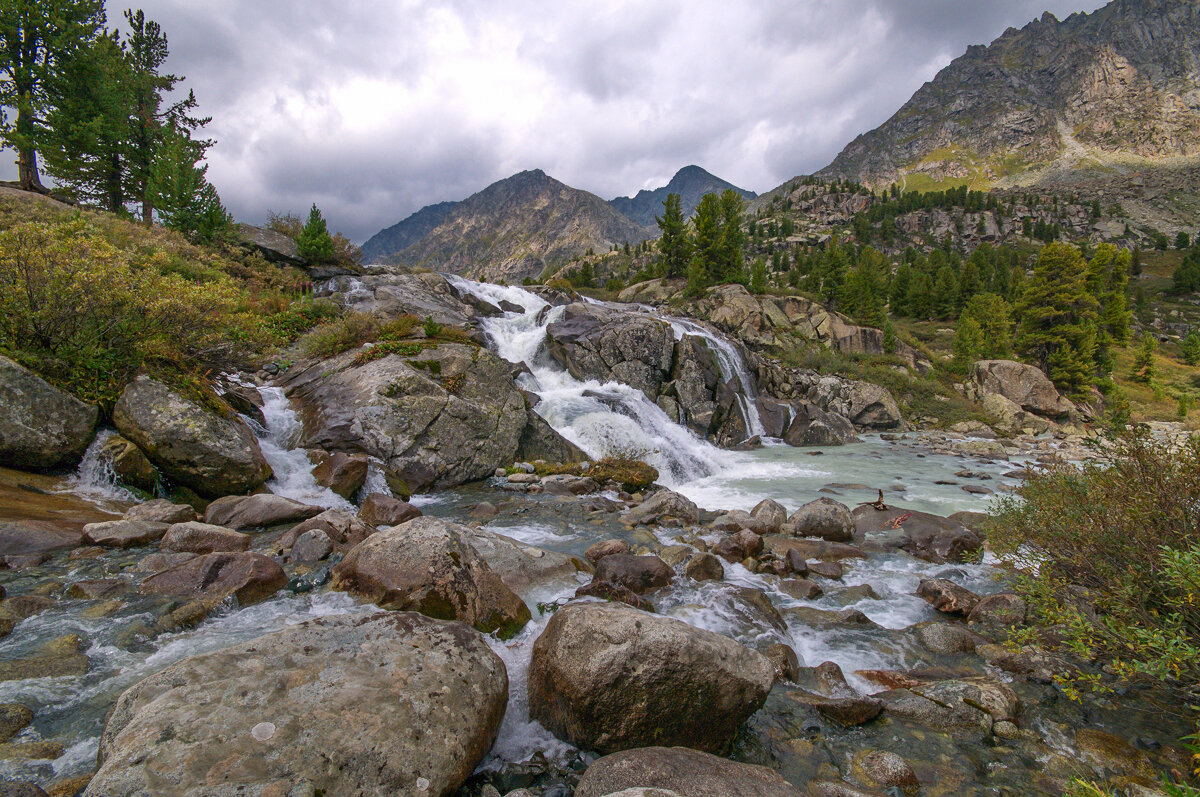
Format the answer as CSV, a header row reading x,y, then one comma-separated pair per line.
x,y
838,788
95,589
859,592
946,596
124,533
565,484
738,520
663,505
243,717
18,788
202,538
824,618
609,677
771,514
384,510
70,786
17,751
605,548
428,565
641,574
674,554
524,478
1033,663
885,770
1001,609
814,549
846,711
250,577
682,770
56,658
158,562
831,570
825,518
40,426
1112,753
595,342
784,659
930,537
521,567
539,441
257,511
966,705
606,590
160,510
195,446
311,546
342,473
947,639
130,466
343,528
13,717
483,511
755,609
704,566
740,546
801,588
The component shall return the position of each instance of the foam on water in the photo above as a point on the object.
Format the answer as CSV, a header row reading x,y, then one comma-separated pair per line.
x,y
95,478
291,468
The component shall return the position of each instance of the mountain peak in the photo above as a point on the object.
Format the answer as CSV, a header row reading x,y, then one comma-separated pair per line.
x,y
691,183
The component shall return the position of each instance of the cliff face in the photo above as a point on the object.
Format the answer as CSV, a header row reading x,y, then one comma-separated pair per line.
x,y
518,227
690,182
1115,89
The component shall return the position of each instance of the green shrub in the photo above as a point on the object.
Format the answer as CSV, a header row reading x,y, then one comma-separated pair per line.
x,y
1127,536
399,327
631,474
383,349
339,335
432,328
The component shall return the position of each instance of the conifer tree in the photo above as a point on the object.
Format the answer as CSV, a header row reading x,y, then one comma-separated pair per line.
x,y
1190,348
945,293
758,276
1057,318
920,297
993,316
314,242
37,39
181,193
1143,362
707,243
968,343
833,274
898,294
733,238
673,246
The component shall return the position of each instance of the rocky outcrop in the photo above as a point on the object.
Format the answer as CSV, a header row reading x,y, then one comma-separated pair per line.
x,y
1023,385
429,566
286,714
274,246
40,426
193,445
438,418
681,770
865,404
596,342
425,295
610,677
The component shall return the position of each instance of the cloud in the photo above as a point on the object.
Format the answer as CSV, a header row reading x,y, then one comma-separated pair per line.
x,y
374,109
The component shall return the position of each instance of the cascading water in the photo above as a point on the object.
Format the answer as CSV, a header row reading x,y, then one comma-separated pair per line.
x,y
733,369
95,477
290,465
609,419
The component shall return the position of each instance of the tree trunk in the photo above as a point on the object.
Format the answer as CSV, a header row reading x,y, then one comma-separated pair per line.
x,y
27,171
147,210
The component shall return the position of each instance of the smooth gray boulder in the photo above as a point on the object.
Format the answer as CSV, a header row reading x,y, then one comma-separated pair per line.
x,y
193,445
1024,385
683,771
41,426
428,565
255,511
663,504
608,677
394,703
825,518
812,426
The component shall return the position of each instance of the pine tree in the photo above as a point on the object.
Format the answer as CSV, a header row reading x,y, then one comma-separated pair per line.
x,y
673,245
180,191
833,274
920,297
898,295
993,316
706,245
1190,348
968,343
1143,362
758,276
1187,274
945,293
1057,318
149,122
38,38
733,238
314,242
889,337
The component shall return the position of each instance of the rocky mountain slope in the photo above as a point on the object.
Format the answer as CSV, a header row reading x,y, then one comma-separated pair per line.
x,y
518,228
1115,91
391,240
690,182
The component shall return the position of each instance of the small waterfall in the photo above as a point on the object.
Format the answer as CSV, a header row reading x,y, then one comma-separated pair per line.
x,y
733,369
94,477
290,465
609,419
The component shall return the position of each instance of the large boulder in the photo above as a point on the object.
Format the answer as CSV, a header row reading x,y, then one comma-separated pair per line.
x,y
930,537
40,426
257,511
540,441
274,246
342,473
639,574
394,703
664,504
865,404
694,380
521,567
201,538
129,465
1024,385
437,418
683,771
123,533
250,577
428,565
596,342
425,295
610,677
825,518
341,527
812,426
194,445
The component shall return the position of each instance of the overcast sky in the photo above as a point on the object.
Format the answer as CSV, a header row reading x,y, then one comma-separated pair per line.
x,y
374,109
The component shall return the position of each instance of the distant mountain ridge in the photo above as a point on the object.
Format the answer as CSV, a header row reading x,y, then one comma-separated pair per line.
x,y
518,228
1113,91
405,233
690,182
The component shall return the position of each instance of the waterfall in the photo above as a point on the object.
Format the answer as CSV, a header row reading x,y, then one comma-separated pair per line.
x,y
94,477
733,369
609,419
292,471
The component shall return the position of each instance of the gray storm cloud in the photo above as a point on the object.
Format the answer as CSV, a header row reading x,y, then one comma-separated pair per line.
x,y
374,109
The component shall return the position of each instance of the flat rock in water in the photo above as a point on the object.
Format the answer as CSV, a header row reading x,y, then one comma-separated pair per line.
x,y
298,711
681,770
250,577
123,533
256,511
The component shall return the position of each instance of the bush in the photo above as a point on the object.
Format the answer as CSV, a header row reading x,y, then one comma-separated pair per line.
x,y
1126,536
431,328
339,335
87,315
